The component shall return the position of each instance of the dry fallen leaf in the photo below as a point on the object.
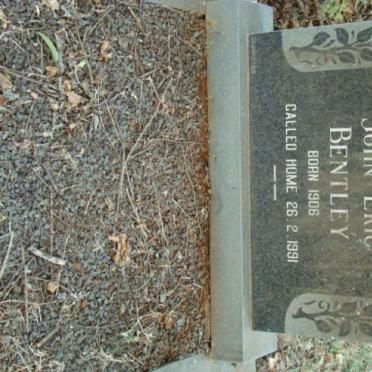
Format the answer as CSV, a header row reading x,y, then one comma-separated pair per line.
x,y
54,105
67,85
5,82
52,287
72,126
122,252
169,322
4,21
73,99
51,70
104,54
51,4
78,267
2,100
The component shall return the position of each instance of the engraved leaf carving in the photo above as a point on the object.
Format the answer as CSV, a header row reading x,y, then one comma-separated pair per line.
x,y
366,328
323,326
348,307
366,54
364,35
342,36
329,44
345,328
320,38
346,57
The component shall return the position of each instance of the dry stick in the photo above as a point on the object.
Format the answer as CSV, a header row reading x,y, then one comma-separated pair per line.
x,y
51,224
121,183
159,212
89,200
26,287
85,56
63,257
103,125
114,123
149,123
48,336
130,195
55,187
137,215
137,19
47,257
7,252
192,185
19,352
40,82
144,130
41,179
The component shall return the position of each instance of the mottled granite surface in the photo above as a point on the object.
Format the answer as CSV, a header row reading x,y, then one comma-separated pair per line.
x,y
312,265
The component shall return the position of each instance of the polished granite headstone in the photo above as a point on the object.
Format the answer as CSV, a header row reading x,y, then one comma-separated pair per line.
x,y
310,118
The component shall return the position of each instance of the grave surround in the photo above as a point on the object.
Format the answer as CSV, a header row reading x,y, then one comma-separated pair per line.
x,y
289,227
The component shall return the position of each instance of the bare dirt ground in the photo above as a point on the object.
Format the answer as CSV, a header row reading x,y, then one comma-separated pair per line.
x,y
103,186
104,195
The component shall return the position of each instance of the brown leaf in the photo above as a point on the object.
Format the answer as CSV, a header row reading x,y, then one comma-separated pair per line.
x,y
2,100
83,303
72,126
73,98
54,105
5,82
104,54
52,70
67,85
78,267
122,251
52,287
4,21
51,4
169,322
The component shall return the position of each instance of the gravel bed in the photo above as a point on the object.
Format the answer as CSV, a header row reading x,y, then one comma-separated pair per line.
x,y
104,195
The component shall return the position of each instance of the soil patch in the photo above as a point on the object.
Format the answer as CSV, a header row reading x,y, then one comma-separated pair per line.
x,y
104,192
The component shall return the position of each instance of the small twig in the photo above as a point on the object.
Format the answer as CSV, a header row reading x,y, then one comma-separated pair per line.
x,y
159,212
25,287
144,130
121,183
114,123
63,257
89,200
101,120
51,224
7,252
47,257
48,336
137,19
85,56
41,179
40,81
55,187
137,215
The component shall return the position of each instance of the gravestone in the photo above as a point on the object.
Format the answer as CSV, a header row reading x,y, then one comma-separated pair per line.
x,y
310,124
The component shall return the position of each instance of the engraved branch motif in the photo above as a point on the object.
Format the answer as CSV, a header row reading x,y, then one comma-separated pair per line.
x,y
352,48
345,317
